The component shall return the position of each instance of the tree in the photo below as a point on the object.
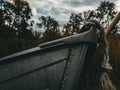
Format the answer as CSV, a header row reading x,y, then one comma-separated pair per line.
x,y
77,20
22,13
15,27
67,30
51,28
4,17
105,13
15,15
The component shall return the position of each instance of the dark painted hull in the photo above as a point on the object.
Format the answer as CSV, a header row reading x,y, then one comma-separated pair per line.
x,y
54,65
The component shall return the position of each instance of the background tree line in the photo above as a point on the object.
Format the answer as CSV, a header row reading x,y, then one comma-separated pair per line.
x,y
15,27
17,32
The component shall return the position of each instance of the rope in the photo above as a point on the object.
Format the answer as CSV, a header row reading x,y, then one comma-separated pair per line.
x,y
106,64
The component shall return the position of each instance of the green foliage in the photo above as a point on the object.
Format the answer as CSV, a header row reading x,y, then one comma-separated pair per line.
x,y
67,30
14,18
106,10
76,20
51,28
105,13
15,27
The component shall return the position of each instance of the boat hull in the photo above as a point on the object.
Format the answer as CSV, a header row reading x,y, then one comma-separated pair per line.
x,y
54,65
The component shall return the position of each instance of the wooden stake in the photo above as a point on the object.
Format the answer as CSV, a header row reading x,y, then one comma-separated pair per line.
x,y
112,24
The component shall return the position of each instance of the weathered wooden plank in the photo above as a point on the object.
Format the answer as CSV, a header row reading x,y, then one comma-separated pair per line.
x,y
15,69
19,54
45,79
74,66
88,36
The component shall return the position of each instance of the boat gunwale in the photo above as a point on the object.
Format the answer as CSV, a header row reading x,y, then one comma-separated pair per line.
x,y
74,39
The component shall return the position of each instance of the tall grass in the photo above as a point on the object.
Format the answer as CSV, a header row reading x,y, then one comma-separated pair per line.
x,y
114,43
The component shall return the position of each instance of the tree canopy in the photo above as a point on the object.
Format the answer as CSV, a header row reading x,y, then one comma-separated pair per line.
x,y
51,27
14,17
15,26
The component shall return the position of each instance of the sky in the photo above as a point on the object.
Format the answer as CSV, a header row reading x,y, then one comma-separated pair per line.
x,y
61,9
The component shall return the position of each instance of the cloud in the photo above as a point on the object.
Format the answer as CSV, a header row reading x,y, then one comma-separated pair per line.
x,y
34,10
61,9
40,10
118,5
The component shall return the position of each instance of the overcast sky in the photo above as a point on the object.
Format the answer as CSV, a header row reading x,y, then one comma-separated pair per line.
x,y
61,9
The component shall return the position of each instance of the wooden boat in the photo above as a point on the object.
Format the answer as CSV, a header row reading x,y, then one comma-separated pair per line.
x,y
54,65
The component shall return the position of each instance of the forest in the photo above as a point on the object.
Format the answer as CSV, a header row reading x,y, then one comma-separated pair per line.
x,y
17,32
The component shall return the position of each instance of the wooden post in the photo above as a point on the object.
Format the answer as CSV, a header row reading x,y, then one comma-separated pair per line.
x,y
105,82
112,24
